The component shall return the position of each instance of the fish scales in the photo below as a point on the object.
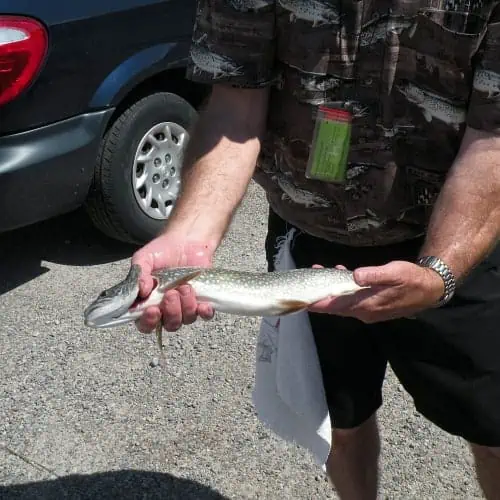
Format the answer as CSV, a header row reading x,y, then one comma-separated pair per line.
x,y
257,294
236,292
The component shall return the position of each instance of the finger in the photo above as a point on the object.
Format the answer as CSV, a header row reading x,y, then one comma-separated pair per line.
x,y
388,274
146,285
340,266
172,312
344,305
317,266
340,306
149,319
205,311
189,305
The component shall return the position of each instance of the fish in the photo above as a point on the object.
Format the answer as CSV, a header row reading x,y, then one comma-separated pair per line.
x,y
433,106
249,5
300,196
243,293
315,83
218,65
378,31
315,11
486,81
363,223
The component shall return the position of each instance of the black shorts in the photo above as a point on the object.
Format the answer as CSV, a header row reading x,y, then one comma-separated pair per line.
x,y
448,359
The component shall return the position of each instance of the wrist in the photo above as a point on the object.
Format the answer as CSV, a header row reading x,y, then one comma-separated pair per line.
x,y
442,281
197,227
190,237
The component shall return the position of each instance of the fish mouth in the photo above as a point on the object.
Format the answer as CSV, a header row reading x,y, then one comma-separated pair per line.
x,y
106,323
118,316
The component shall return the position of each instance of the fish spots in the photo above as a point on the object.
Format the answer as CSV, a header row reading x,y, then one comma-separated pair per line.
x,y
250,5
433,106
315,11
487,82
208,61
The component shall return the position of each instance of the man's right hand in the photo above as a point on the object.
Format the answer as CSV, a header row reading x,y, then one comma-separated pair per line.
x,y
179,306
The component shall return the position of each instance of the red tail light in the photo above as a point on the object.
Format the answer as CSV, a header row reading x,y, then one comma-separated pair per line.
x,y
23,45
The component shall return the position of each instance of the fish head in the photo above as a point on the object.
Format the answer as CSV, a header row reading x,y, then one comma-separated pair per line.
x,y
112,305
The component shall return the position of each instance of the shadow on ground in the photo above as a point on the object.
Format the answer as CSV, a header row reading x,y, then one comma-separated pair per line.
x,y
70,239
125,485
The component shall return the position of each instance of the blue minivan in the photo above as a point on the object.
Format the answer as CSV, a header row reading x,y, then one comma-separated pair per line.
x,y
94,111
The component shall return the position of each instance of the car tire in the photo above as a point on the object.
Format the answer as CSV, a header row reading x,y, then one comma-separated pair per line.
x,y
112,204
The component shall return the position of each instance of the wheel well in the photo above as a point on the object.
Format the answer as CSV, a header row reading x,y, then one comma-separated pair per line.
x,y
172,80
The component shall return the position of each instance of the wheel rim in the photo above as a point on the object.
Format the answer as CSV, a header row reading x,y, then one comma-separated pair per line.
x,y
156,176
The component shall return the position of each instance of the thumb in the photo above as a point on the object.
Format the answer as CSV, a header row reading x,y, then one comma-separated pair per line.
x,y
146,282
389,274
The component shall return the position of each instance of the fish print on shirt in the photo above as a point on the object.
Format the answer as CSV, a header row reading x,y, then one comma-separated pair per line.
x,y
249,5
217,65
357,109
377,31
363,223
315,11
299,196
314,89
419,57
315,83
433,106
487,81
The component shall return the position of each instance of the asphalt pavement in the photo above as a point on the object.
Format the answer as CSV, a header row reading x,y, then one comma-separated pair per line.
x,y
87,415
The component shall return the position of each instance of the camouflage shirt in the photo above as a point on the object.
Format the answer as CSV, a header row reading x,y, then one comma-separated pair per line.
x,y
414,72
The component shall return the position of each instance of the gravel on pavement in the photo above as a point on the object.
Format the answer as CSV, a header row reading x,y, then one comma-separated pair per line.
x,y
92,415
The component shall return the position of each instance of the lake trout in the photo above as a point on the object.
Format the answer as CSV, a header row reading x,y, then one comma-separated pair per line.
x,y
242,293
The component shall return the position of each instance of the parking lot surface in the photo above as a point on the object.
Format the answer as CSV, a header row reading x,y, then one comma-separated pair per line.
x,y
96,420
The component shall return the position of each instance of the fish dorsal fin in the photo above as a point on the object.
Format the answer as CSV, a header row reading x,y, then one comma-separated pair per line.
x,y
183,280
292,306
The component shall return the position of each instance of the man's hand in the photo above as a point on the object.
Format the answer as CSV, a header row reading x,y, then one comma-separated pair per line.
x,y
398,289
218,166
178,306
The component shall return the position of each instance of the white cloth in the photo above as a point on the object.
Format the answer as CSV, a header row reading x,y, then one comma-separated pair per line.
x,y
289,394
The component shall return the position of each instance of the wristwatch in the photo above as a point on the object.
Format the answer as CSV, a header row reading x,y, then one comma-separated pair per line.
x,y
437,265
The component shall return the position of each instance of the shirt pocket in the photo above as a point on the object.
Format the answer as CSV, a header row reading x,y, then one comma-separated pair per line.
x,y
450,37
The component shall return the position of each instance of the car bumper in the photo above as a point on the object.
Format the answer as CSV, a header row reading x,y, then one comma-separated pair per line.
x,y
47,171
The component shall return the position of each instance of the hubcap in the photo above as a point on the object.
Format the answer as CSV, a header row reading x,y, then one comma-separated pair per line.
x,y
156,172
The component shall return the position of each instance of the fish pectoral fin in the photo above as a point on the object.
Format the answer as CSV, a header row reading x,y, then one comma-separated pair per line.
x,y
159,339
292,306
159,335
183,280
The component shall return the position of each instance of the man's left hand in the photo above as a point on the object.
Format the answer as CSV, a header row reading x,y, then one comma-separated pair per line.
x,y
398,289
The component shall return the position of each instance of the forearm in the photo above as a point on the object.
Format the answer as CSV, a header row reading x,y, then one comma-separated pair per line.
x,y
465,224
219,164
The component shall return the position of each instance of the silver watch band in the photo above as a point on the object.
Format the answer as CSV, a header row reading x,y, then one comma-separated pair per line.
x,y
437,265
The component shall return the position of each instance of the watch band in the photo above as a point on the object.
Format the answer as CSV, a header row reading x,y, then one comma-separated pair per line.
x,y
437,265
